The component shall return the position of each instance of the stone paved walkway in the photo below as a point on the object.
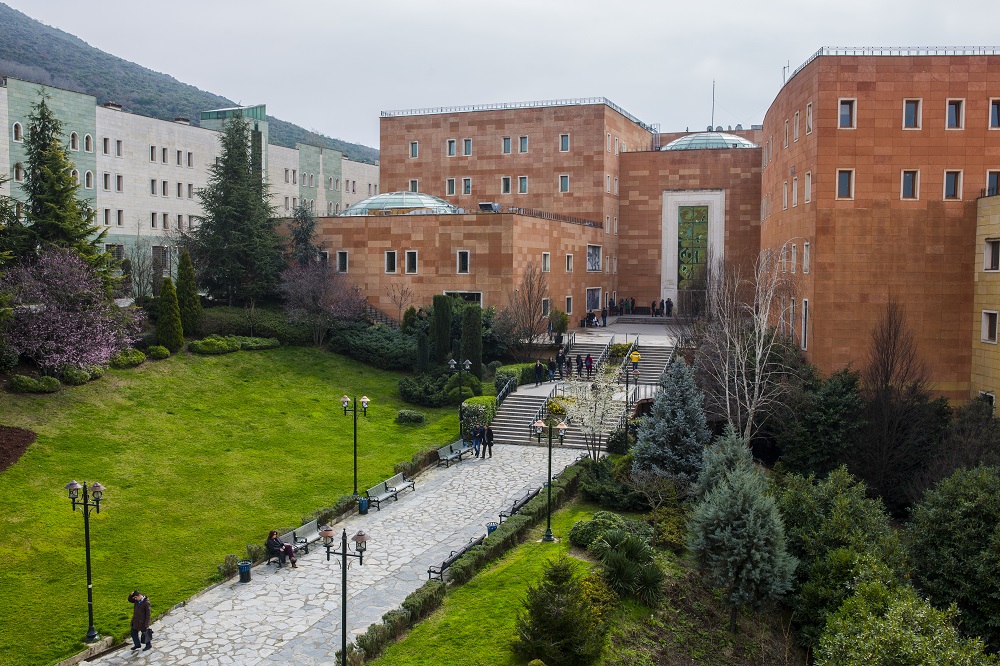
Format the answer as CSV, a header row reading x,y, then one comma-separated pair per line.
x,y
293,615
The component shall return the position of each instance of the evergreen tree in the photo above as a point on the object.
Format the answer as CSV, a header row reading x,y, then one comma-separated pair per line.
x,y
738,540
236,244
168,324
727,454
409,322
558,626
187,295
54,216
441,329
472,338
302,229
423,352
671,441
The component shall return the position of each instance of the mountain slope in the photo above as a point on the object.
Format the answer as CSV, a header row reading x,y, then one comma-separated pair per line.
x,y
33,51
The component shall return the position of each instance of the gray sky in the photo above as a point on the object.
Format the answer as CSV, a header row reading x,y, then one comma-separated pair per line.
x,y
332,66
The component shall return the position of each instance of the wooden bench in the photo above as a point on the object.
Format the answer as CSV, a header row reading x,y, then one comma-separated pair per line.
x,y
519,504
452,452
299,539
438,572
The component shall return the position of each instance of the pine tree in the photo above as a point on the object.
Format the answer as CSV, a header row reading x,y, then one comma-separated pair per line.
x,y
738,541
441,328
168,325
236,243
302,230
187,295
472,338
728,453
672,439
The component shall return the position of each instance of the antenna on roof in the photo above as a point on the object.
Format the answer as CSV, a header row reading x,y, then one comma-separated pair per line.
x,y
713,102
784,70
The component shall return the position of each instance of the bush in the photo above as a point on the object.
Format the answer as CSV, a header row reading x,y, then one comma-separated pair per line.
x,y
481,410
525,373
75,376
95,371
256,552
425,390
254,344
492,366
409,416
169,332
128,358
397,622
377,345
327,515
8,357
557,406
229,566
48,385
213,345
600,485
158,352
670,527
24,384
224,320
406,468
374,640
602,599
620,441
617,352
585,532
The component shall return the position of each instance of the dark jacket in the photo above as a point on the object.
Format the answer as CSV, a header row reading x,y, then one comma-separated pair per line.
x,y
141,614
274,545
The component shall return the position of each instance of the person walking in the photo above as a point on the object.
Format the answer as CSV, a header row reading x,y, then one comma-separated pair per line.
x,y
552,369
662,308
560,357
579,366
538,372
604,317
652,309
477,439
488,441
670,306
569,367
589,362
141,617
634,357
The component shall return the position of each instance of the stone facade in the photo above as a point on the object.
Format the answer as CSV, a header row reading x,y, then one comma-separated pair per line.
x,y
361,180
986,299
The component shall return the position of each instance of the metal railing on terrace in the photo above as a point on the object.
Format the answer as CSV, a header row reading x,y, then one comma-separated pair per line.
x,y
896,51
555,217
989,191
578,101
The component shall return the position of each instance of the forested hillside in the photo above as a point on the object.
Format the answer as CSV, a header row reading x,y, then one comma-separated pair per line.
x,y
32,51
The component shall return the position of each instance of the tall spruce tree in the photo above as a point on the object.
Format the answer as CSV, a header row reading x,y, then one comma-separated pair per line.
x,y
302,229
187,294
54,215
441,329
236,245
472,338
168,324
671,440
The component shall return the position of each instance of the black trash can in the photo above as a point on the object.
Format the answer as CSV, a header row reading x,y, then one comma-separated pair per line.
x,y
363,506
491,528
244,566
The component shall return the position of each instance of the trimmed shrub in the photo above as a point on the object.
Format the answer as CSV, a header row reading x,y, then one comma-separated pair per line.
x,y
409,321
472,338
225,320
327,515
491,367
397,622
75,376
158,352
480,409
424,600
670,525
374,640
48,385
168,326
95,371
406,468
377,345
409,416
188,301
600,485
525,373
256,552
425,390
23,384
425,458
584,532
620,441
229,566
602,599
465,567
128,358
617,352
213,345
441,327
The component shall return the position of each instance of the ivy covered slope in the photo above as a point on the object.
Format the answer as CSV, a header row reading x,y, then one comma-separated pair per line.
x,y
33,51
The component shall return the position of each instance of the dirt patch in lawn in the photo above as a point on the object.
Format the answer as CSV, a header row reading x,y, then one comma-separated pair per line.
x,y
13,443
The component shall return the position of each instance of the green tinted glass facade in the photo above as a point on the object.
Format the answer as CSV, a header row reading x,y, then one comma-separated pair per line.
x,y
692,243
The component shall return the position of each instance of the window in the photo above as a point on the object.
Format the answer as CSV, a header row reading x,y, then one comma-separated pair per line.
x,y
117,252
564,183
324,258
505,185
342,261
312,180
413,186
564,143
805,257
450,148
569,263
411,261
466,186
809,118
88,143
74,141
414,149
450,186
991,255
786,132
180,221
287,175
616,187
105,177
119,148
795,192
286,203
845,183
607,183
846,118
607,265
390,261
164,186
784,195
569,305
119,183
990,326
795,256
107,217
616,225
16,131
295,203
909,185
805,324
506,145
166,221
956,115
911,114
462,262
992,183
152,220
522,143
616,145
466,147
791,319
594,258
18,173
163,155
105,146
952,184
522,184
615,265
180,190
546,262
609,142
190,191
546,308
995,114
120,221
807,190
190,159
295,177
180,158
88,180
795,128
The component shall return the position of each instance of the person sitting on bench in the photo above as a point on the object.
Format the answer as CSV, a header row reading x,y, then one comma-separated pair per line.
x,y
279,549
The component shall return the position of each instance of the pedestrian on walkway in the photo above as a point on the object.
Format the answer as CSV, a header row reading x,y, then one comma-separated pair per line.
x,y
477,438
538,372
569,367
579,366
560,358
141,617
604,317
633,305
662,308
670,307
488,441
634,357
589,362
552,369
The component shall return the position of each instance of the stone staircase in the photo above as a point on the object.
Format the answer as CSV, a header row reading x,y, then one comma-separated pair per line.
x,y
510,425
584,347
652,362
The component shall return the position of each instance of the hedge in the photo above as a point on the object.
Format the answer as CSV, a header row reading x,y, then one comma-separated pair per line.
x,y
224,320
409,416
26,384
478,410
158,352
128,358
213,345
75,376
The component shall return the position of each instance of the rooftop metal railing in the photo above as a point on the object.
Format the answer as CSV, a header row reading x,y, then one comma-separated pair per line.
x,y
555,217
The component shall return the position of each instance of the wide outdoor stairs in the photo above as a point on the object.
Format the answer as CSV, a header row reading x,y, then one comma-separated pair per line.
x,y
652,363
512,423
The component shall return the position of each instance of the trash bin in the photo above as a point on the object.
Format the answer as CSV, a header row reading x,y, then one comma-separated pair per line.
x,y
491,528
363,506
244,566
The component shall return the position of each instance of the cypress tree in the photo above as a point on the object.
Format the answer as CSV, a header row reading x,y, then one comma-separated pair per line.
x,y
472,338
441,329
423,352
187,295
672,439
168,325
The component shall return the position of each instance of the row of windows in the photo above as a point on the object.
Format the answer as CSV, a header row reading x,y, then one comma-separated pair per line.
x,y
792,253
506,145
17,133
164,189
912,114
909,184
505,185
165,220
164,154
117,215
787,322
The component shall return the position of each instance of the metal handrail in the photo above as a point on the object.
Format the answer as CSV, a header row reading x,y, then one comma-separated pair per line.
x,y
570,341
604,354
555,217
541,411
508,388
989,191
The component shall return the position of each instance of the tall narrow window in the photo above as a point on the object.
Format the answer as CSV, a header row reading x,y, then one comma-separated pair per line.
x,y
342,261
462,262
180,158
466,186
911,114
119,183
795,128
989,326
805,324
74,141
795,256
190,159
522,184
105,147
450,186
807,190
119,148
506,145
390,261
411,261
413,185
88,143
414,149
505,185
952,184
845,184
786,132
992,183
564,143
16,131
784,195
89,180
991,255
805,257
569,305
564,183
995,114
956,115
909,185
569,263
523,144
450,148
846,118
466,147
545,307
546,262
795,192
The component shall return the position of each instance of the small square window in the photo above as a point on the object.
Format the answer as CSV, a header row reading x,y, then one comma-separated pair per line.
x,y
466,186
414,149
569,263
564,183
952,184
505,185
956,115
506,145
991,255
449,148
462,266
523,144
342,261
845,184
910,184
989,331
450,186
466,147
390,261
413,186
911,114
846,117
546,262
564,143
411,261
522,184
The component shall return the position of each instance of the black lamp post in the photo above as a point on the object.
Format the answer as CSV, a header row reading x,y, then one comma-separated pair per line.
x,y
345,401
539,425
467,364
89,501
360,541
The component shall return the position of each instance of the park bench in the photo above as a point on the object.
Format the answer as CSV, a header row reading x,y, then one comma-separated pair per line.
x,y
452,452
519,504
299,538
438,572
388,488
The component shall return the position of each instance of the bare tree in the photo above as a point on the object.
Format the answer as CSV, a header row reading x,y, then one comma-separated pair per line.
x,y
741,352
593,409
141,271
524,314
401,295
316,295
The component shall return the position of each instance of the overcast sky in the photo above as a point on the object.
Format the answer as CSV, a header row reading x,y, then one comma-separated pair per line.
x,y
332,66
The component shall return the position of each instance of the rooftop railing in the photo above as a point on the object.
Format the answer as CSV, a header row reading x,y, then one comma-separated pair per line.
x,y
555,217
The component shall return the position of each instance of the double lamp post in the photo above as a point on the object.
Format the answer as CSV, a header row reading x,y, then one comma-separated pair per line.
x,y
539,426
91,501
345,401
358,543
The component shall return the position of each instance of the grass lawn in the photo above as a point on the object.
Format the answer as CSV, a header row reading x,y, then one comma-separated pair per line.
x,y
200,456
476,624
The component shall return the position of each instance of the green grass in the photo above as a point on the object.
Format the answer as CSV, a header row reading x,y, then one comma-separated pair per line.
x,y
200,456
476,624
